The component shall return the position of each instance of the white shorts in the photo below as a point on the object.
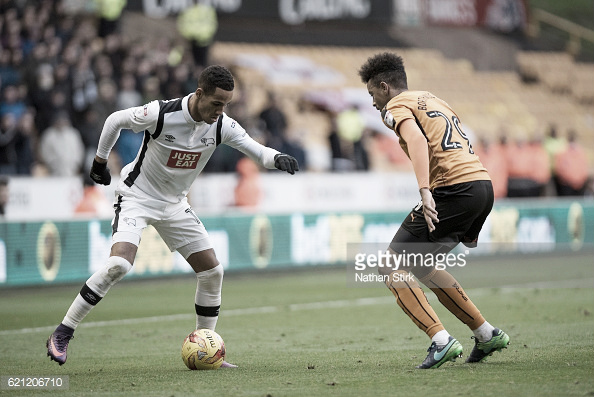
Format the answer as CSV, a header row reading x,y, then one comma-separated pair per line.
x,y
177,224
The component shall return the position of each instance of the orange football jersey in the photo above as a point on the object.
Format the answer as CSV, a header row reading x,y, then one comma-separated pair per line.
x,y
451,158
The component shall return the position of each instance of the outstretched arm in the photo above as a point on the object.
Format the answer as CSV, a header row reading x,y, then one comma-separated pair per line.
x,y
109,135
137,119
111,132
237,138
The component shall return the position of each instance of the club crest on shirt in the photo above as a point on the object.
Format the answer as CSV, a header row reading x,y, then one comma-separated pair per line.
x,y
387,118
207,141
181,159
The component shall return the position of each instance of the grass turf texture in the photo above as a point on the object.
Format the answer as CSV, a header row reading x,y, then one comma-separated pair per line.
x,y
299,333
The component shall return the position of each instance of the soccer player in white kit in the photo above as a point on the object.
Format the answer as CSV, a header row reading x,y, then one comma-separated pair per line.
x,y
180,136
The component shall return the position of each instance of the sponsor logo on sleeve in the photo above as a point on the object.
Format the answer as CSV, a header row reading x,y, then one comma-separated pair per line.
x,y
140,112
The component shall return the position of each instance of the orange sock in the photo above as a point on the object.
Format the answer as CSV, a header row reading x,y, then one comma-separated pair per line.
x,y
411,298
452,296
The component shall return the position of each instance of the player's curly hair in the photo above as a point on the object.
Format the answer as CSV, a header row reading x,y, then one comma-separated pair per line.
x,y
386,67
215,76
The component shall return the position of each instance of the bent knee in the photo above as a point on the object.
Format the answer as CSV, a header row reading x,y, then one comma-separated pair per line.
x,y
218,271
422,272
117,268
215,273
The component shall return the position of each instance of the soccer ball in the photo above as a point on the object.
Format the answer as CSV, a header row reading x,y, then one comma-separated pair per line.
x,y
203,349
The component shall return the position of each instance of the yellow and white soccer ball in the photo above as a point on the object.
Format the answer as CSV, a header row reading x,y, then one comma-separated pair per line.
x,y
203,349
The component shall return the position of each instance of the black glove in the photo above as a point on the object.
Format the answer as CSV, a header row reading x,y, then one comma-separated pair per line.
x,y
100,173
284,162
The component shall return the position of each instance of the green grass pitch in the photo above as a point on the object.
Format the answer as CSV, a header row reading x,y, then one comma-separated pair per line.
x,y
301,333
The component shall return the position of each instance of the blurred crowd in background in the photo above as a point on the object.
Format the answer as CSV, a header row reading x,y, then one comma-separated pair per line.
x,y
64,69
62,72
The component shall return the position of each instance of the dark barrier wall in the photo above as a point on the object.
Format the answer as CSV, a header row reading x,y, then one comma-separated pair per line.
x,y
503,16
290,12
342,22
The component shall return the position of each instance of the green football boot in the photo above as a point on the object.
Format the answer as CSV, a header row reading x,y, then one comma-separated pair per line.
x,y
481,350
439,355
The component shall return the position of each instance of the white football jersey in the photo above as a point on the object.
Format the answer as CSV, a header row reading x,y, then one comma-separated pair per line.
x,y
175,148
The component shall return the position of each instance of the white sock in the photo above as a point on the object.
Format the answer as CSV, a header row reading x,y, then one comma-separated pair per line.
x,y
484,332
441,338
95,289
77,311
208,297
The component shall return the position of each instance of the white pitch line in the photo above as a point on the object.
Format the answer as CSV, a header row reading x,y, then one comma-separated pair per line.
x,y
582,283
226,313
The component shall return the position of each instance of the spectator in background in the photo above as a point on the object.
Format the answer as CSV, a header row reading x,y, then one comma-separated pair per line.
x,y
144,70
247,191
387,153
128,96
128,144
8,137
346,142
571,168
12,102
275,122
3,195
32,75
58,102
520,182
84,88
26,143
171,87
151,89
61,147
93,202
553,143
40,94
181,78
103,67
492,155
540,165
114,48
335,146
90,131
107,101
9,73
198,25
109,13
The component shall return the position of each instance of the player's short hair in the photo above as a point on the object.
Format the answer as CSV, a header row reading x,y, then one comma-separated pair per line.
x,y
215,76
386,67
